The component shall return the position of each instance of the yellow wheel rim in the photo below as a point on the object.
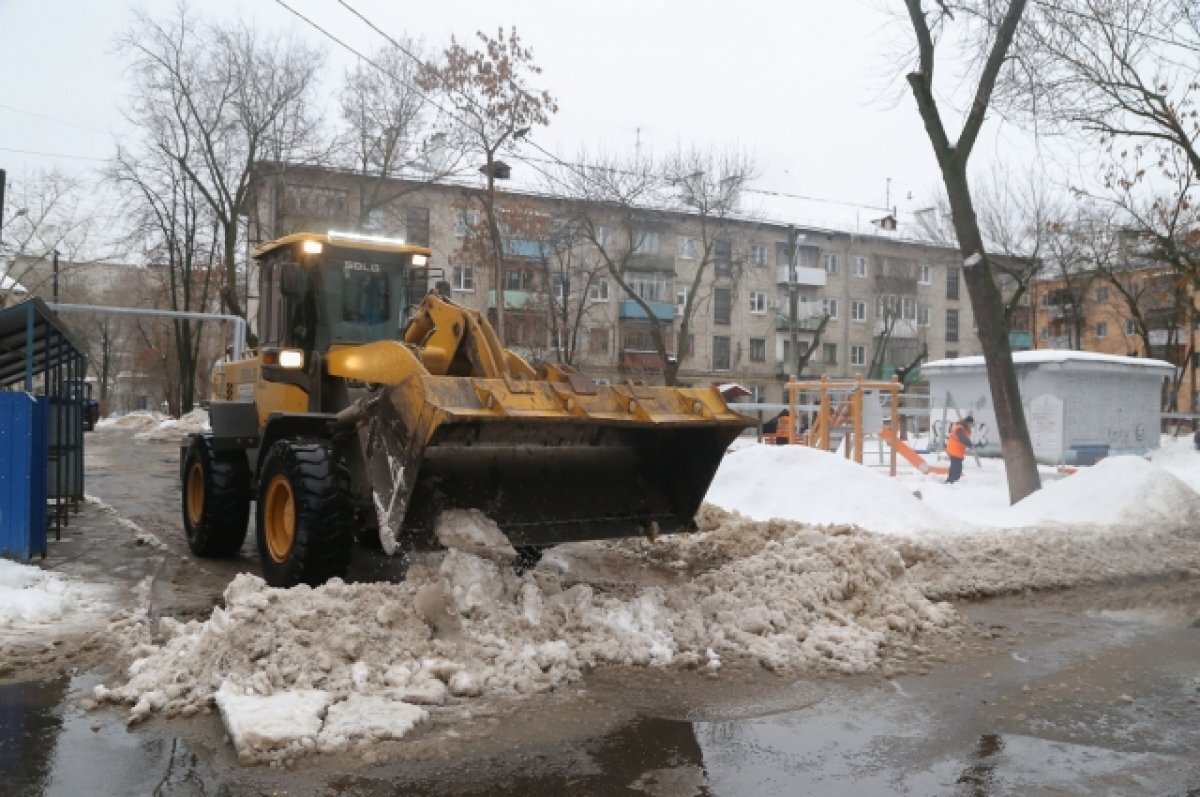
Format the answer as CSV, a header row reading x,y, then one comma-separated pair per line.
x,y
279,517
195,494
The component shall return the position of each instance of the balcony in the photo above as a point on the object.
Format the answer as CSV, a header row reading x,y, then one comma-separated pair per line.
x,y
629,309
900,327
650,263
808,318
514,300
533,250
1019,340
640,361
814,277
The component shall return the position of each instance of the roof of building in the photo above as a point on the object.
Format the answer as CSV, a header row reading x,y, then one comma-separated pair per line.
x,y
1051,356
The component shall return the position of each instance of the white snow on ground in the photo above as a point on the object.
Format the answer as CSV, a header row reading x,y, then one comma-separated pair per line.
x,y
139,421
170,430
31,596
814,563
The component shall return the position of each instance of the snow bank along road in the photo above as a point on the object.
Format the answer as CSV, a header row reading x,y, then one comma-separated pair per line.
x,y
806,563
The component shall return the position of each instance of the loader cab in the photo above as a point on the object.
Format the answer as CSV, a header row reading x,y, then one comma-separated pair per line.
x,y
318,290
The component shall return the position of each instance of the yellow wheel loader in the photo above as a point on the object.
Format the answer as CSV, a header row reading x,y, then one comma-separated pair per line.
x,y
372,405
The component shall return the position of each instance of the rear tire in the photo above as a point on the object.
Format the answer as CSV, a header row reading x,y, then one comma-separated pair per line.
x,y
216,499
305,518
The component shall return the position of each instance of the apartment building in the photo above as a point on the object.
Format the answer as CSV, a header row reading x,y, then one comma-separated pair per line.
x,y
887,299
1151,313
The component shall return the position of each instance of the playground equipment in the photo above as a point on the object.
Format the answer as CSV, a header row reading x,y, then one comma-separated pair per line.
x,y
843,406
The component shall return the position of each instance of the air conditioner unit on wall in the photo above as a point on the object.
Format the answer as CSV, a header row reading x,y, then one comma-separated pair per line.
x,y
678,311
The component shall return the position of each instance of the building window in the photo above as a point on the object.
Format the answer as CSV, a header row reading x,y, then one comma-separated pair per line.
x,y
650,285
598,340
926,275
464,278
951,354
951,326
720,353
558,285
860,266
831,263
829,353
830,307
645,243
598,290
908,308
681,295
758,302
465,222
951,282
1045,333
758,255
858,355
923,316
1130,327
602,235
1101,330
723,256
416,225
689,346
722,306
519,280
686,248
1102,294
858,310
758,350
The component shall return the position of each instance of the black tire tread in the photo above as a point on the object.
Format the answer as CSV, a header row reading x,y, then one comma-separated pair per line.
x,y
324,514
226,517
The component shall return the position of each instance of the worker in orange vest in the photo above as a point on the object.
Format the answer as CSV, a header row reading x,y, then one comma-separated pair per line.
x,y
957,444
783,428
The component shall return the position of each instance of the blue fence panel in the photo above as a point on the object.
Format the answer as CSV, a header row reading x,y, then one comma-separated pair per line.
x,y
24,448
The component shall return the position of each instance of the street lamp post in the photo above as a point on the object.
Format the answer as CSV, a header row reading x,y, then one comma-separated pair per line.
x,y
55,289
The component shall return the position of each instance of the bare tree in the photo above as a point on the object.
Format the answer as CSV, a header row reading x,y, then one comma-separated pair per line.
x,y
1119,70
623,206
215,99
994,36
395,129
493,101
179,236
47,213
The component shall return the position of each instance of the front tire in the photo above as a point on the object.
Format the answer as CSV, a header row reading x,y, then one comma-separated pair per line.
x,y
216,499
305,519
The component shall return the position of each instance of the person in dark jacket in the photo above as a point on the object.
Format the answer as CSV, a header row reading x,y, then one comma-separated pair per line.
x,y
957,444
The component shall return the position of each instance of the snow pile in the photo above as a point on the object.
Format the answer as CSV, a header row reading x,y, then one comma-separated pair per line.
x,y
1114,491
135,421
461,627
170,430
813,486
31,596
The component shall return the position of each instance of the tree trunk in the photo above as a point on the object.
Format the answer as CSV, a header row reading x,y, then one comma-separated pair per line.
x,y
987,305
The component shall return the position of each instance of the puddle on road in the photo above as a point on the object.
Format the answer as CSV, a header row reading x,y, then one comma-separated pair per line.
x,y
50,747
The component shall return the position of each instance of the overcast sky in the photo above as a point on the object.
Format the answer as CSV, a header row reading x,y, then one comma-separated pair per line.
x,y
807,88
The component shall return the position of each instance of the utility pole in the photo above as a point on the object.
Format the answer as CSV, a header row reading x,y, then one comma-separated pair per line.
x,y
3,181
793,338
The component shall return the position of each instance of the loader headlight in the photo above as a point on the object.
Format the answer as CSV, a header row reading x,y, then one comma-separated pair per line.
x,y
419,260
313,247
291,358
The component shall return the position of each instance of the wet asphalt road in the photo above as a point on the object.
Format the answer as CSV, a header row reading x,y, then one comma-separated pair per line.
x,y
1083,692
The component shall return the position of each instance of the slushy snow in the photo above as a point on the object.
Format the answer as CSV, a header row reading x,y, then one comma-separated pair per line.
x,y
31,596
805,562
171,430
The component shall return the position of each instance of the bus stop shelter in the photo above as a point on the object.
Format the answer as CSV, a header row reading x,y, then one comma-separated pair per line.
x,y
42,368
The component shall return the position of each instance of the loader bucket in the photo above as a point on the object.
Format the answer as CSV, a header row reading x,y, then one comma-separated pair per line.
x,y
547,465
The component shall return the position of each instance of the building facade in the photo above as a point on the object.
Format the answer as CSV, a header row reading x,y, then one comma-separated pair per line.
x,y
888,300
